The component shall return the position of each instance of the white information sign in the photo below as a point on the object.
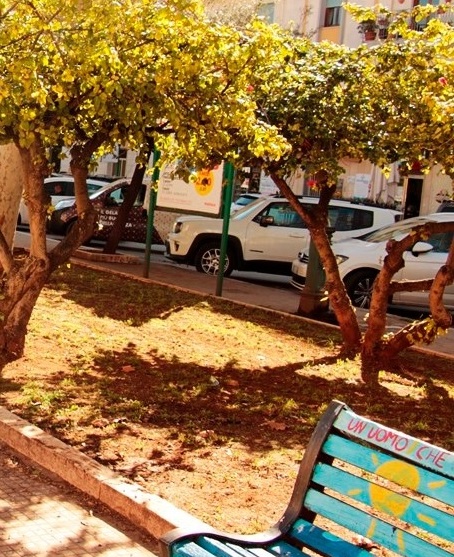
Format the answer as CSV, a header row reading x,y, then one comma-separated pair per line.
x,y
203,195
361,185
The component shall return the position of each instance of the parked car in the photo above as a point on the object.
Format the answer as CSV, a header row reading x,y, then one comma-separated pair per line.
x,y
59,188
265,235
446,206
107,201
243,200
361,259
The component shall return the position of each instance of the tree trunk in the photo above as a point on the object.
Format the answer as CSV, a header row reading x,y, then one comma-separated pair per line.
x,y
377,347
21,289
114,238
317,222
11,186
132,192
24,277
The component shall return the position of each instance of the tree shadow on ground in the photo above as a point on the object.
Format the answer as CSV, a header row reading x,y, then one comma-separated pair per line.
x,y
134,302
259,408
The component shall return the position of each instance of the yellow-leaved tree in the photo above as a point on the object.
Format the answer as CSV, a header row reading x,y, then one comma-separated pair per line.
x,y
390,103
78,75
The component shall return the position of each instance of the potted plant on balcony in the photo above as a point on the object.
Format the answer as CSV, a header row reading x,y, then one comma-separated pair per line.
x,y
366,19
369,28
383,22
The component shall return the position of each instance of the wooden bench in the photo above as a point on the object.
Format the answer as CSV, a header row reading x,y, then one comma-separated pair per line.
x,y
362,488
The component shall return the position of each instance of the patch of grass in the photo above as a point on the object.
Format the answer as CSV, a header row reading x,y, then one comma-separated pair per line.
x,y
203,401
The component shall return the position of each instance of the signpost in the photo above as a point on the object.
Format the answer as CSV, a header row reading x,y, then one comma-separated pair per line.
x,y
229,173
150,216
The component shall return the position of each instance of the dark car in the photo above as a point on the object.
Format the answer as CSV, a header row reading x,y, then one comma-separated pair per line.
x,y
107,201
446,206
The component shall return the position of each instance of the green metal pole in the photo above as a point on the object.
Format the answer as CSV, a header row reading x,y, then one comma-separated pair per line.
x,y
150,216
229,173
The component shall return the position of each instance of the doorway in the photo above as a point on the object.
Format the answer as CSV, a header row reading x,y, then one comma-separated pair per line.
x,y
413,197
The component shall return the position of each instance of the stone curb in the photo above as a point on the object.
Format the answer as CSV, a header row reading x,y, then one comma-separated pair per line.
x,y
93,255
145,510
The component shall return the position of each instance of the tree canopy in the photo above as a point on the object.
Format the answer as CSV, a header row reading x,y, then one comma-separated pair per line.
x,y
389,103
82,76
78,75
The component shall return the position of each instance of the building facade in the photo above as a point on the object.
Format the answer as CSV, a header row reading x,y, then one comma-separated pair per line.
x,y
326,20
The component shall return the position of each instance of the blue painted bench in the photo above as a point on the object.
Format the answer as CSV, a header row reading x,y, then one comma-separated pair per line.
x,y
361,488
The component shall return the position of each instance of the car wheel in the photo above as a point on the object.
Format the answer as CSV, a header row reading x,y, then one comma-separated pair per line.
x,y
207,260
359,288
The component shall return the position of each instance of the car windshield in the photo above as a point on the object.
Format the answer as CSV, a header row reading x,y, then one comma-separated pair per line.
x,y
247,210
398,230
245,200
99,192
93,187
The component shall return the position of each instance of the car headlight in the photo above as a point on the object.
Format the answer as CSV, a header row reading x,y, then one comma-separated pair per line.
x,y
177,226
341,258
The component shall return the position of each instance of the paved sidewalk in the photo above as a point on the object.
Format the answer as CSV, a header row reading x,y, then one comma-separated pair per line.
x,y
42,517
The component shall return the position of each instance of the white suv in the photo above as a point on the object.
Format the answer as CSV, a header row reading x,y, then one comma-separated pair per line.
x,y
266,235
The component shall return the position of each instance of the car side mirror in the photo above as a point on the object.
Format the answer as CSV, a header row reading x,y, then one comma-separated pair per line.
x,y
266,221
111,202
421,247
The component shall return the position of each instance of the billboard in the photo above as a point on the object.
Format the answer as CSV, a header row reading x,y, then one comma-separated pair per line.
x,y
200,195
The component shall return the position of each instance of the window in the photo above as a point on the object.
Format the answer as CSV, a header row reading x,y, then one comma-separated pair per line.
x,y
59,188
333,12
346,218
283,215
419,25
441,242
266,11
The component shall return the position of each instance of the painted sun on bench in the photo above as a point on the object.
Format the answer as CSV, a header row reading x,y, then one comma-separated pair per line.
x,y
393,503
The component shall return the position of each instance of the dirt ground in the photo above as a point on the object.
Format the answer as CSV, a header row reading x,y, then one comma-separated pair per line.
x,y
203,402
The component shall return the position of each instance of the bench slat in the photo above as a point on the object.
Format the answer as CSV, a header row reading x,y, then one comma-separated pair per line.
x,y
404,446
324,542
223,549
283,549
261,552
375,529
431,484
189,549
280,548
384,500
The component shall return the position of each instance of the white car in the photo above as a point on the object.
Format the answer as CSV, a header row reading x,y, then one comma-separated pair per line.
x,y
265,235
59,188
361,259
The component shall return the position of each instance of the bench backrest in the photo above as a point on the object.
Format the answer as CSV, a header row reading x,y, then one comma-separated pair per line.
x,y
389,489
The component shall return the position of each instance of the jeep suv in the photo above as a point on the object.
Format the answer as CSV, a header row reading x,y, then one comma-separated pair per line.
x,y
266,235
